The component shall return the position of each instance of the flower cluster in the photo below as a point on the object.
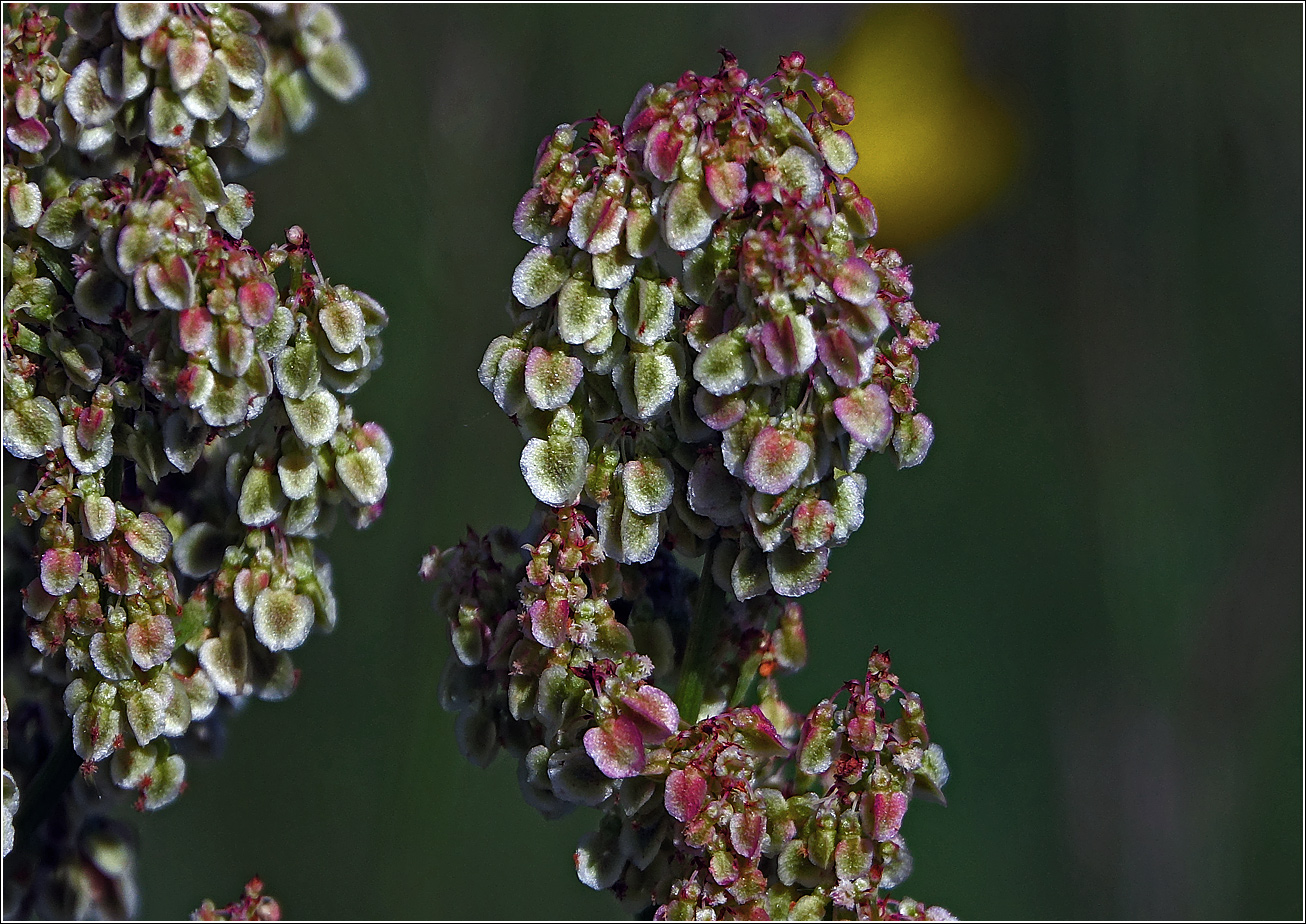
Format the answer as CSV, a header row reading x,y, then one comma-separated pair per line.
x,y
253,905
707,345
707,342
174,398
751,811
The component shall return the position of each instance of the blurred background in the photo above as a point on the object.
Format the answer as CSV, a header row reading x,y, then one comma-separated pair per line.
x,y
1094,581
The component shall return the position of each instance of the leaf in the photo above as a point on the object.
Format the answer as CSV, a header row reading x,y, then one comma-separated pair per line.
x,y
912,440
148,537
582,311
363,473
649,484
685,795
282,619
596,221
85,99
775,460
856,281
555,469
616,747
538,276
795,573
867,416
314,417
338,70
725,366
686,215
551,378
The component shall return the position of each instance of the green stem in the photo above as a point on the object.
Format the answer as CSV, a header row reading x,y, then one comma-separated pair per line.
x,y
704,630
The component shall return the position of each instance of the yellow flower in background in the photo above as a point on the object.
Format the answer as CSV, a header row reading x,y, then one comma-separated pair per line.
x,y
934,147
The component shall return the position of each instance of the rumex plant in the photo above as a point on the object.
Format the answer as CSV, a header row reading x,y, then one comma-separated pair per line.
x,y
175,417
706,344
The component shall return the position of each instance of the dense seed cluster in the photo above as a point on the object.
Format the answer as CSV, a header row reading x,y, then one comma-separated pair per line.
x,y
707,345
753,811
175,399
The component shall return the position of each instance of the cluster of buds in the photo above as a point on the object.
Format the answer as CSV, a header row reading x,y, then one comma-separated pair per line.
x,y
706,347
753,811
174,398
211,75
707,342
252,905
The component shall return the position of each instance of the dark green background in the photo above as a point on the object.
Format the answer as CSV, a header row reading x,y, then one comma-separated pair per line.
x,y
1094,581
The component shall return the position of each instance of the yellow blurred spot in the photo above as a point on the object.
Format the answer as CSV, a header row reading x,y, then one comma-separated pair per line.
x,y
934,147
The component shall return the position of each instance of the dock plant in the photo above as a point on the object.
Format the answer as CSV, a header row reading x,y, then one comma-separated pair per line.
x,y
705,345
176,424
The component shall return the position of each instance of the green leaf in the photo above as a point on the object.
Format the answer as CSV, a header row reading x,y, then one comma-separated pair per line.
x,y
282,619
555,469
551,378
725,366
794,573
540,274
137,20
145,714
170,123
687,215
31,428
363,473
653,383
338,70
148,537
912,440
314,417
582,310
261,500
648,484
85,99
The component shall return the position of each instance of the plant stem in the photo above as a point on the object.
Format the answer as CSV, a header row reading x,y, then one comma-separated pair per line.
x,y
704,629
